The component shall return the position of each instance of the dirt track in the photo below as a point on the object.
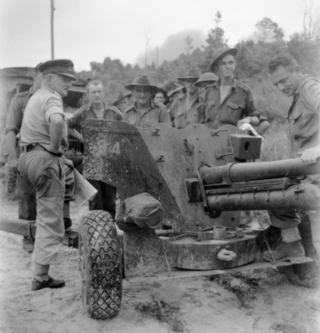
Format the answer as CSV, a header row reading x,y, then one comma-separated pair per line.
x,y
225,304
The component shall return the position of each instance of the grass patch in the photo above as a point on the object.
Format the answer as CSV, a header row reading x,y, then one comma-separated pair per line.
x,y
162,311
275,145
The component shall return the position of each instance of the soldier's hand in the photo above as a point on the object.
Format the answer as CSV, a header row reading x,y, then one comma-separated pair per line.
x,y
13,162
56,150
311,155
243,121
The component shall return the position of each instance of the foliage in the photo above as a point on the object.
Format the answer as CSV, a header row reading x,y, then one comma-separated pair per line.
x,y
252,60
214,40
307,52
269,31
275,144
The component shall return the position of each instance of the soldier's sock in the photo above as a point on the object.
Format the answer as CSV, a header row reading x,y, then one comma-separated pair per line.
x,y
290,235
41,272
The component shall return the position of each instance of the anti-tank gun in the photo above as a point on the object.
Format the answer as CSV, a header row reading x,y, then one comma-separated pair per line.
x,y
200,178
203,178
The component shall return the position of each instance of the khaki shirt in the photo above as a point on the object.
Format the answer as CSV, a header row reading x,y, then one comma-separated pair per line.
x,y
36,121
237,105
86,112
182,118
302,121
16,111
154,115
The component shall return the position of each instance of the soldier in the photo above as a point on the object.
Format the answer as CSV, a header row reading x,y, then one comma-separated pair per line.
x,y
188,109
205,80
161,97
27,209
24,190
228,101
44,138
176,91
144,113
122,101
97,109
302,124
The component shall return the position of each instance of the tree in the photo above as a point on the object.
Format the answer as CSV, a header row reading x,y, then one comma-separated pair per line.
x,y
253,58
147,36
307,53
214,40
311,21
188,48
269,31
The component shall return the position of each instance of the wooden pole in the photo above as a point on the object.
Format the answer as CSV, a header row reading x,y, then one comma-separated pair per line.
x,y
52,29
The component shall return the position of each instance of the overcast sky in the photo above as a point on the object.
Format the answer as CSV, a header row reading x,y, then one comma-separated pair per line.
x,y
90,30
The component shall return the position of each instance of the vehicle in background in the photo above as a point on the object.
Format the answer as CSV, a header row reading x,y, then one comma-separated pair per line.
x,y
14,80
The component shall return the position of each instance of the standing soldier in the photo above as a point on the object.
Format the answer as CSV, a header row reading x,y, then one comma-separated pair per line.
x,y
161,96
27,209
105,199
176,91
44,138
188,109
205,80
122,101
228,101
144,113
302,123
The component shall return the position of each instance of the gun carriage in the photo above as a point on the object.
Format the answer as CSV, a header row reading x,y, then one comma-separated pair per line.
x,y
203,178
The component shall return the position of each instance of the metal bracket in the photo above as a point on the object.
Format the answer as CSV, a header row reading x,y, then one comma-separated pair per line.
x,y
216,132
228,151
226,173
202,190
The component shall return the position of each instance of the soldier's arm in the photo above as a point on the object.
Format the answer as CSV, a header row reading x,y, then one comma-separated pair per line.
x,y
74,122
164,116
252,115
312,95
76,119
172,112
56,131
73,132
201,114
13,127
55,118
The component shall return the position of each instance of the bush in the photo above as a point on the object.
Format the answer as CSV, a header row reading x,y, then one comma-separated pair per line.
x,y
275,144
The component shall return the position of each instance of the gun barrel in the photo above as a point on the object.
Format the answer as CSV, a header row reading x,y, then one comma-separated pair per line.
x,y
240,172
18,226
302,196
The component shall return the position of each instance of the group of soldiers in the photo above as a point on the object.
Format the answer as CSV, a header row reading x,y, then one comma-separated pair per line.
x,y
214,99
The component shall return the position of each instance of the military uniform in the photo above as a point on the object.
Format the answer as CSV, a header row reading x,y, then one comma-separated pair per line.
x,y
27,208
181,117
105,199
237,105
302,129
45,170
154,115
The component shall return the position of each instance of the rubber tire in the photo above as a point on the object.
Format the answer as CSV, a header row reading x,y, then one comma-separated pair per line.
x,y
100,265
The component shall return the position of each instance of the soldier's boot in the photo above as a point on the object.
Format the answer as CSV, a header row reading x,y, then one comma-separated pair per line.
x,y
293,252
290,248
41,278
50,283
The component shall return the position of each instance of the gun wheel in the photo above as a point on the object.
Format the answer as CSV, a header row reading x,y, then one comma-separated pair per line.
x,y
100,265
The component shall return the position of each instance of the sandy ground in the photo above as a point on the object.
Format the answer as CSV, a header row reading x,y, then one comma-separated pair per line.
x,y
206,304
